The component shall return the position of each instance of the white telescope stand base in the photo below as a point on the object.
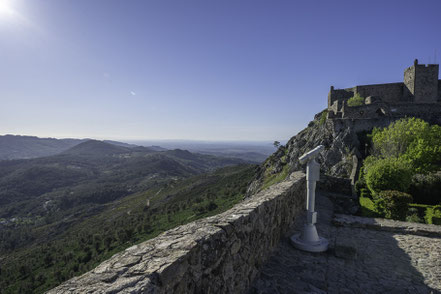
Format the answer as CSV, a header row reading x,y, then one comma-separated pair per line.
x,y
309,240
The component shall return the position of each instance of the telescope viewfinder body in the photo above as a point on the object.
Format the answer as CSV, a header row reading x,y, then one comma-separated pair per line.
x,y
311,154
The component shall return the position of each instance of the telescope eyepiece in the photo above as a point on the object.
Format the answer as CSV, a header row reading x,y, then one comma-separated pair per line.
x,y
311,154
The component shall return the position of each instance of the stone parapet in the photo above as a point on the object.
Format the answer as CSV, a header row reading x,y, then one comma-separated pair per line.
x,y
219,254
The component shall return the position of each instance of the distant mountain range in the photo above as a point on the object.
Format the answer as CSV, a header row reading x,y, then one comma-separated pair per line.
x,y
255,152
23,147
90,166
26,147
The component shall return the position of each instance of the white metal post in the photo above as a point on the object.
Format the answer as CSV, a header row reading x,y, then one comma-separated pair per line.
x,y
309,239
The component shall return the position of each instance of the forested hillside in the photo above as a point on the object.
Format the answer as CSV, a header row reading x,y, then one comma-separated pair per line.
x,y
62,214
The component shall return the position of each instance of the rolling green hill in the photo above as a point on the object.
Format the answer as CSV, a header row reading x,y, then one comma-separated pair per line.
x,y
65,246
62,214
92,172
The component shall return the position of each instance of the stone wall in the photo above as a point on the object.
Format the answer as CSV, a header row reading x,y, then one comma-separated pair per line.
x,y
390,93
409,83
219,254
339,95
430,112
426,83
365,111
439,90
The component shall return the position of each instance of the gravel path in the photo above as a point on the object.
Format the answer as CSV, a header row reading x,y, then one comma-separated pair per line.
x,y
365,256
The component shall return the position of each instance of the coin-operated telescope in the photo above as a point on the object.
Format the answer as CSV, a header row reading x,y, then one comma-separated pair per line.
x,y
309,239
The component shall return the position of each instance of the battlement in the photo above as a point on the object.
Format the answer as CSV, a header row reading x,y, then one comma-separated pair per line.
x,y
420,86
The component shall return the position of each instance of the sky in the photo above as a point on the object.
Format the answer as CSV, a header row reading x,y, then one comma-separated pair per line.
x,y
202,70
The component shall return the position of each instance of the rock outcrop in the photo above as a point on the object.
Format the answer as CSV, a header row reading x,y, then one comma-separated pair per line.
x,y
337,160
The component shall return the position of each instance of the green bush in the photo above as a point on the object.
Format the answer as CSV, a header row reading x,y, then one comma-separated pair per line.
x,y
365,192
412,216
367,207
388,174
323,117
426,189
433,215
436,218
355,100
393,204
413,139
360,186
380,206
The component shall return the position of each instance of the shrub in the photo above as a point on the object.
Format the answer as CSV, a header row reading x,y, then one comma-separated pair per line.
x,y
436,218
355,100
367,207
413,139
412,216
365,192
360,186
394,204
426,189
433,215
380,206
388,174
323,117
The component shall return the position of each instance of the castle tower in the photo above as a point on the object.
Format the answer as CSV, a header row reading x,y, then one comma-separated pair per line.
x,y
421,83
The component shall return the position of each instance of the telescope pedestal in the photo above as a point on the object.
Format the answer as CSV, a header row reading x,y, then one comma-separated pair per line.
x,y
309,239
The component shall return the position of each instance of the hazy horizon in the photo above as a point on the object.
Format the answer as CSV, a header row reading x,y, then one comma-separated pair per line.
x,y
150,140
197,70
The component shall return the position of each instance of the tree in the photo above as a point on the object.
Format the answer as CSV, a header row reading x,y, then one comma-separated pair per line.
x,y
276,144
411,139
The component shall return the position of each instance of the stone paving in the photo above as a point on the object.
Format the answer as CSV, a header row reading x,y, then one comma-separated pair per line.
x,y
365,256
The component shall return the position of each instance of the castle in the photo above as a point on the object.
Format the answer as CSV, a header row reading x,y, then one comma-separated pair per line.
x,y
419,95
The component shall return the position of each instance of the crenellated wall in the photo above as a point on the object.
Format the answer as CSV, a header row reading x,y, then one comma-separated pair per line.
x,y
219,254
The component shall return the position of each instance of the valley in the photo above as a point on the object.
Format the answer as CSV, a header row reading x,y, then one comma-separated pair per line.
x,y
63,214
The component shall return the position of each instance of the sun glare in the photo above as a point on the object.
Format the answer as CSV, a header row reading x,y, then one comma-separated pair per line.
x,y
6,8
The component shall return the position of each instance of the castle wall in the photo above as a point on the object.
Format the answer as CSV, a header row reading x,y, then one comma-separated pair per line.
x,y
365,111
391,93
426,83
382,114
219,254
421,85
430,112
339,95
409,84
439,90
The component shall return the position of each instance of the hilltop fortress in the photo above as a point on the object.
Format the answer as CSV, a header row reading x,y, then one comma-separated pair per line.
x,y
419,95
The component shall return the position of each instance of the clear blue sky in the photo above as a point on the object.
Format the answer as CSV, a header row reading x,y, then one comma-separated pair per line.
x,y
211,70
